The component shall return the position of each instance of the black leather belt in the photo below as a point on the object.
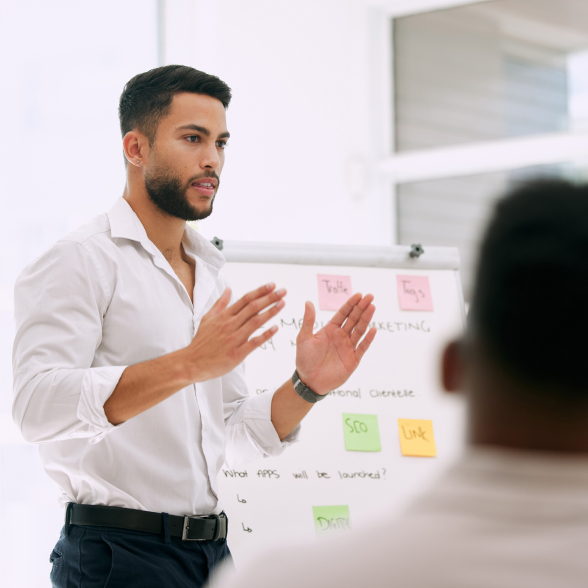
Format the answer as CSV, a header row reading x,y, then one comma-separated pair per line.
x,y
188,528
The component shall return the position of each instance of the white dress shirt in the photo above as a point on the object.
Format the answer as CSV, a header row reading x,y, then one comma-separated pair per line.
x,y
101,299
497,519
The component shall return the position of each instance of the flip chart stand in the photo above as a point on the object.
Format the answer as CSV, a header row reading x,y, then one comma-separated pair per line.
x,y
349,464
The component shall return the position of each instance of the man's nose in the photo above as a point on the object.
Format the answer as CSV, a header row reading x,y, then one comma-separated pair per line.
x,y
210,158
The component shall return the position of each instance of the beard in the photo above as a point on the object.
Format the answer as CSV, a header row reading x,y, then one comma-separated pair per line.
x,y
169,195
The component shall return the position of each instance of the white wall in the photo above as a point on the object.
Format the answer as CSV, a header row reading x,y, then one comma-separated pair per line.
x,y
299,120
63,64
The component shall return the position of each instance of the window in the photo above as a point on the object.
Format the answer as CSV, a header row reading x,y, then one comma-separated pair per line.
x,y
487,71
484,95
453,211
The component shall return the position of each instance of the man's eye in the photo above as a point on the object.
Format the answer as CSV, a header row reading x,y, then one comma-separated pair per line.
x,y
221,144
193,138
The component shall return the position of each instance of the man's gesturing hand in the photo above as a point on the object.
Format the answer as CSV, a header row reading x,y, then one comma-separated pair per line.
x,y
222,341
326,359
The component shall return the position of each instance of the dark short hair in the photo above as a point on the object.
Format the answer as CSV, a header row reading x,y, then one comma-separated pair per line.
x,y
530,302
146,98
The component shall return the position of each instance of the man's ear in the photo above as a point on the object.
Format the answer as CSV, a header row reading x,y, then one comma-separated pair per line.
x,y
135,146
452,366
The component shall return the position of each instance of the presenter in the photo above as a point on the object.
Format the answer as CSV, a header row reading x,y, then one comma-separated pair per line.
x,y
129,348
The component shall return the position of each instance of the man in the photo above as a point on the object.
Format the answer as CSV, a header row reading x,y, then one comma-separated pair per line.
x,y
128,352
513,511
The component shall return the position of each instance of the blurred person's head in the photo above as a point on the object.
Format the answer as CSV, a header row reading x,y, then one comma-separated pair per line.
x,y
524,359
174,130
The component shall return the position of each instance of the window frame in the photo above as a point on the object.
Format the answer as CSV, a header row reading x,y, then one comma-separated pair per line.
x,y
391,168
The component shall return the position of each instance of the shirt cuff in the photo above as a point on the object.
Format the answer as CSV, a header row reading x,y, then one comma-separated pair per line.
x,y
261,430
97,386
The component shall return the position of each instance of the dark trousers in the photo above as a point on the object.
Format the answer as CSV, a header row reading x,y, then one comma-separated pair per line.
x,y
103,557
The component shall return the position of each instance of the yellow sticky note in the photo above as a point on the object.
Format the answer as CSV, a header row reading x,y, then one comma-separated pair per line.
x,y
416,438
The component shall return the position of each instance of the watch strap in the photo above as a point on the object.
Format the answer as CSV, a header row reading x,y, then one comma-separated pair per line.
x,y
304,391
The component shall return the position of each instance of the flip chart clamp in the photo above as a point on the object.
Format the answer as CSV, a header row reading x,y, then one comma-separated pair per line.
x,y
416,250
218,243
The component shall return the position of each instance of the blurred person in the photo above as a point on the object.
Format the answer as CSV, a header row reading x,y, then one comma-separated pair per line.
x,y
513,510
129,348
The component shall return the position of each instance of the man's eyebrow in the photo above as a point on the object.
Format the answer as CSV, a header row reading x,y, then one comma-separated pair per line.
x,y
202,130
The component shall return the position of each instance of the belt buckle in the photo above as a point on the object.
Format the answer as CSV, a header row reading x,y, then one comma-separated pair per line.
x,y
186,527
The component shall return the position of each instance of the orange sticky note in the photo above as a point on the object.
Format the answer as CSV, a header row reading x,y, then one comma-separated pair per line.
x,y
416,438
414,293
333,291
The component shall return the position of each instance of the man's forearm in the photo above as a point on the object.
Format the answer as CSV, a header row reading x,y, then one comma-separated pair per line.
x,y
288,409
146,384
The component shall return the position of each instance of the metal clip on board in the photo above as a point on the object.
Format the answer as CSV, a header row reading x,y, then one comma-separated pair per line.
x,y
416,250
218,243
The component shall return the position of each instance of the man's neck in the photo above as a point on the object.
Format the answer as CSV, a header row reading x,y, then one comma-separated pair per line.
x,y
504,413
164,231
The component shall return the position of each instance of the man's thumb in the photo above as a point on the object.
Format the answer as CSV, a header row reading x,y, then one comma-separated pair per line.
x,y
307,321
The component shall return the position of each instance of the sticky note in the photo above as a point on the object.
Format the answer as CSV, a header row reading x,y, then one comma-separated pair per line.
x,y
416,438
414,293
333,291
329,519
361,432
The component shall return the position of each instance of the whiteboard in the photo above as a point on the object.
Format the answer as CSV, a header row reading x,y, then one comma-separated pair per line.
x,y
271,500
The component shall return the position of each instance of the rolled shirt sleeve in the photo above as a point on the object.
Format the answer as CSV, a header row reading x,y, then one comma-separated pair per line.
x,y
250,432
60,302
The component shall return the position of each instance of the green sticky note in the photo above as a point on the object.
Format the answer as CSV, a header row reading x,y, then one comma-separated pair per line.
x,y
329,519
361,432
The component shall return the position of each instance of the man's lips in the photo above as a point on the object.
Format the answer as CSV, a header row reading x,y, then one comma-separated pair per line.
x,y
205,186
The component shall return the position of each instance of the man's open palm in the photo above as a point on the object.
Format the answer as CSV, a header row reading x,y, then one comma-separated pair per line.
x,y
326,359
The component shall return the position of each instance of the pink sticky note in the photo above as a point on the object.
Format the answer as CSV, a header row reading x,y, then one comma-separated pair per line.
x,y
414,293
333,291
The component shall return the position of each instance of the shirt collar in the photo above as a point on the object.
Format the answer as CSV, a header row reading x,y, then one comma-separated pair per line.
x,y
125,224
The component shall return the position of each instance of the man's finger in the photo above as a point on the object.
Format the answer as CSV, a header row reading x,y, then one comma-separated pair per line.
x,y
221,303
356,313
307,322
256,306
345,310
258,321
365,344
255,342
251,296
362,324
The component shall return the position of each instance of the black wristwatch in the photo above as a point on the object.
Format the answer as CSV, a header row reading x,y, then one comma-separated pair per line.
x,y
304,391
